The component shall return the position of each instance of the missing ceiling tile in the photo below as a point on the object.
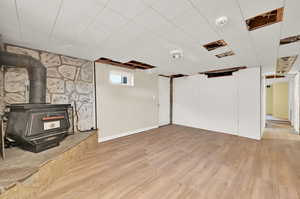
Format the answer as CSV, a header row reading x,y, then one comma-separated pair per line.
x,y
284,64
265,19
130,65
140,65
104,60
214,45
226,54
222,72
289,40
178,75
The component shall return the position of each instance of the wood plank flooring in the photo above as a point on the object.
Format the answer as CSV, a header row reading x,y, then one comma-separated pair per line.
x,y
177,162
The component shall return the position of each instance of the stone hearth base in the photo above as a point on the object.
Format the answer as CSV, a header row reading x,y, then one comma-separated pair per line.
x,y
50,170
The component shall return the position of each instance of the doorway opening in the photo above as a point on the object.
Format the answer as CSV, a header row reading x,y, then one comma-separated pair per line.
x,y
280,109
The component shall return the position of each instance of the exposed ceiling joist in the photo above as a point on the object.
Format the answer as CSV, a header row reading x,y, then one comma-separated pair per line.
x,y
214,45
130,65
265,19
222,72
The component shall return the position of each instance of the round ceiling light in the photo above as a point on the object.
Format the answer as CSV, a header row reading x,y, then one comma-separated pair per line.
x,y
176,54
221,21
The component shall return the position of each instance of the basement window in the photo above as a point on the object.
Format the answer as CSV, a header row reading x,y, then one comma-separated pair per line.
x,y
121,78
265,19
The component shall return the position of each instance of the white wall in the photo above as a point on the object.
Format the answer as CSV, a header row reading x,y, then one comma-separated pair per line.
x,y
296,106
123,110
249,103
208,103
226,104
164,100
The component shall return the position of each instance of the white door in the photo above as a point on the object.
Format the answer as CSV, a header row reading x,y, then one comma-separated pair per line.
x,y
164,100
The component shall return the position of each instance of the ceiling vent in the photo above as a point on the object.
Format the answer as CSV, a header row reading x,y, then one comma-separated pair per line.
x,y
222,72
284,64
265,19
214,45
289,40
226,54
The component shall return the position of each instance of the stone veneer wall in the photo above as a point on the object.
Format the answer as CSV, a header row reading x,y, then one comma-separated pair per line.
x,y
69,80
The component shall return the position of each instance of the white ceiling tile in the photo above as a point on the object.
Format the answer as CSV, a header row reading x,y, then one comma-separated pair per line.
x,y
196,26
9,27
171,9
266,41
289,49
111,19
128,10
75,17
291,18
38,16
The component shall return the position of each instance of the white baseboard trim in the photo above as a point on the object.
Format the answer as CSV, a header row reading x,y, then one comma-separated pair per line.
x,y
125,134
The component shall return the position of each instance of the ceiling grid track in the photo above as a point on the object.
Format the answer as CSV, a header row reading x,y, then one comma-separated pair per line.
x,y
249,35
280,32
18,18
56,17
209,24
94,18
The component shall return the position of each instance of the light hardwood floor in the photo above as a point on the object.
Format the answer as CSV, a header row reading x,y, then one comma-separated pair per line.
x,y
177,162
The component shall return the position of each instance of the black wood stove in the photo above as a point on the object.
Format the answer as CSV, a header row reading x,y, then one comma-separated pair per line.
x,y
37,127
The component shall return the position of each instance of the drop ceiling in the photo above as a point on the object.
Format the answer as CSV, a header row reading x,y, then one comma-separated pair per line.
x,y
147,30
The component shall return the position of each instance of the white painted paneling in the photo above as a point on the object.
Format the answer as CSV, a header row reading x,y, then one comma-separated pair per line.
x,y
122,110
249,92
206,103
225,104
164,100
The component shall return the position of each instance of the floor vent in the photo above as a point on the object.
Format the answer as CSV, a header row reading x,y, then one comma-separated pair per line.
x,y
226,54
265,19
289,40
214,45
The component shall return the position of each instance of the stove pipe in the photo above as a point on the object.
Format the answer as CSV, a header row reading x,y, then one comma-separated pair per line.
x,y
36,71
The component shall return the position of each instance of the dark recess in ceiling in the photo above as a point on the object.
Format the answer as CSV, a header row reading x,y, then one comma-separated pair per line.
x,y
265,19
274,76
289,40
226,54
222,72
130,65
214,45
